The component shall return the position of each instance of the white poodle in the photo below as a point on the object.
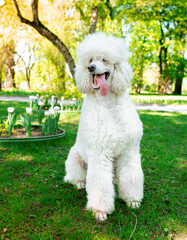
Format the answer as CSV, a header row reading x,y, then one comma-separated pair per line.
x,y
107,148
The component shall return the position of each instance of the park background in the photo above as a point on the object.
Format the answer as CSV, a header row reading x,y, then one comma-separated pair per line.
x,y
38,41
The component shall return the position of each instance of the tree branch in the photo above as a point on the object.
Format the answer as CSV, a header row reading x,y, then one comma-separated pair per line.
x,y
23,20
36,24
93,19
20,57
34,5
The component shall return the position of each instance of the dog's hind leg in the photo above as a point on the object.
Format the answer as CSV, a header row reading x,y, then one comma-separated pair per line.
x,y
75,169
130,179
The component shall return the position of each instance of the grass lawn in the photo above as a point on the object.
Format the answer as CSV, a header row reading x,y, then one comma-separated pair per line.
x,y
159,99
35,203
17,92
137,98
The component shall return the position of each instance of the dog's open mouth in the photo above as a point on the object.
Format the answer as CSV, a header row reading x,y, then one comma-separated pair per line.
x,y
99,82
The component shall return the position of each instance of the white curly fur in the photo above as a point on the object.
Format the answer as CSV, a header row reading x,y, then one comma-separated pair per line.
x,y
107,148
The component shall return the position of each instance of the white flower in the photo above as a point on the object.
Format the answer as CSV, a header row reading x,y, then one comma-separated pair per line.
x,y
56,108
53,96
10,109
51,111
37,95
62,98
47,113
28,110
40,103
74,99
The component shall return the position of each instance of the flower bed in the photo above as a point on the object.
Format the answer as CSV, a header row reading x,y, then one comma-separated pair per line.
x,y
45,120
37,135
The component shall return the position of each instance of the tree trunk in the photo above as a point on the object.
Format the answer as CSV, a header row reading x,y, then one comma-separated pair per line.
x,y
62,77
10,73
93,19
179,77
167,81
160,81
160,70
178,86
28,78
164,84
10,65
140,82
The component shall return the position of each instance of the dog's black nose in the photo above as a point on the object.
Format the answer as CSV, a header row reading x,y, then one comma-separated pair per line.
x,y
91,67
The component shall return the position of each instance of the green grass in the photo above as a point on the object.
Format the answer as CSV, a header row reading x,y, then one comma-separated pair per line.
x,y
137,98
17,92
35,203
159,99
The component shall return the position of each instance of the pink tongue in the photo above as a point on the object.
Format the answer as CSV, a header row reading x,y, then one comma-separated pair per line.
x,y
103,85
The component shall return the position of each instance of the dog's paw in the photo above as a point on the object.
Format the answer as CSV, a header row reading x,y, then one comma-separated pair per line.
x,y
81,185
100,216
134,204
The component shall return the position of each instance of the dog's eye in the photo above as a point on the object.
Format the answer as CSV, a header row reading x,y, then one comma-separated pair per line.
x,y
104,60
91,60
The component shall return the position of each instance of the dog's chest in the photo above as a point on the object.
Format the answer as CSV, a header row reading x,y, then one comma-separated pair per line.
x,y
108,128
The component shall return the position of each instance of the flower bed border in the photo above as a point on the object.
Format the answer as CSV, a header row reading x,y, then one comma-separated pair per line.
x,y
34,139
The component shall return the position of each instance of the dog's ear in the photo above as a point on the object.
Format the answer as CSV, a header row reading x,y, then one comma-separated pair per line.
x,y
83,80
121,78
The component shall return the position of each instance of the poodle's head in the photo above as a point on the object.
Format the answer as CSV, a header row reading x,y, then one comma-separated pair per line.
x,y
102,65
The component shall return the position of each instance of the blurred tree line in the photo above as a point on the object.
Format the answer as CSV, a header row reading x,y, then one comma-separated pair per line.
x,y
39,40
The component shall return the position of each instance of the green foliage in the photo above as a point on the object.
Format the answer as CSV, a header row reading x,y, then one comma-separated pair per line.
x,y
50,72
11,122
50,125
26,122
40,113
33,102
156,27
143,51
151,27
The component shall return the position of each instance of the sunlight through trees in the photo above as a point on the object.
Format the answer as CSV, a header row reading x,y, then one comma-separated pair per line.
x,y
154,30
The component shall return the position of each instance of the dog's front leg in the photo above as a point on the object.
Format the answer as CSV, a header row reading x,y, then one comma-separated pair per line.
x,y
99,187
75,169
130,178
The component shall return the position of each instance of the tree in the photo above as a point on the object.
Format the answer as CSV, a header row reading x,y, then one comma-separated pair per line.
x,y
179,75
8,35
44,31
180,62
99,9
142,51
8,59
170,15
28,63
94,14
50,69
2,63
164,79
